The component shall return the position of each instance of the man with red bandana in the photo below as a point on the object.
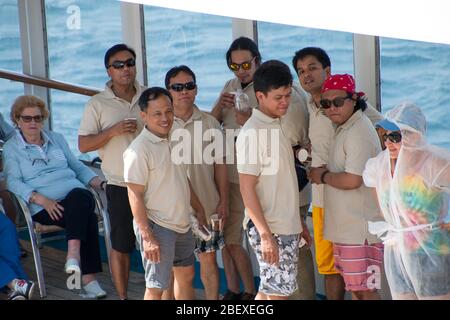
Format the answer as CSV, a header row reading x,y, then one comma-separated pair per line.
x,y
358,254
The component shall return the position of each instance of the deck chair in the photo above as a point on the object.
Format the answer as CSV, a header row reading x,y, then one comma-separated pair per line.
x,y
35,230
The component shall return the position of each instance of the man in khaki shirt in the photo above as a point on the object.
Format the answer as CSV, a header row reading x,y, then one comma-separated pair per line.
x,y
198,132
162,224
348,202
313,66
110,122
243,59
268,183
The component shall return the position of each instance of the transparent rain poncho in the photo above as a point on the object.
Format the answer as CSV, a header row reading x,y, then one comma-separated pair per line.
x,y
414,202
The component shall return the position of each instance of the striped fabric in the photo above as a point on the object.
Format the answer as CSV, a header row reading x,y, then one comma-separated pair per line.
x,y
359,265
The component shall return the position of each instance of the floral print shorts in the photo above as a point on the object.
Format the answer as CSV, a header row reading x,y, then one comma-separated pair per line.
x,y
281,279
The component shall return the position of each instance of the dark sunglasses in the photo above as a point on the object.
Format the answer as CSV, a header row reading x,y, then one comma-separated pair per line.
x,y
337,102
394,137
37,119
121,64
244,65
180,86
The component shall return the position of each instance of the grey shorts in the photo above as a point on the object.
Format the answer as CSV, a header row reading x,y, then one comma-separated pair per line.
x,y
177,250
281,279
431,276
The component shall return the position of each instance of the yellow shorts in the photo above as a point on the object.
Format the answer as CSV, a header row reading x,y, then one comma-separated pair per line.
x,y
323,248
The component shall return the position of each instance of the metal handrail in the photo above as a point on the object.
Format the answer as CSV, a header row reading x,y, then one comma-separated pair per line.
x,y
48,83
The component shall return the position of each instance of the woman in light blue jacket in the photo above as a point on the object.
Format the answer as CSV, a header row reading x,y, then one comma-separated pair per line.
x,y
41,169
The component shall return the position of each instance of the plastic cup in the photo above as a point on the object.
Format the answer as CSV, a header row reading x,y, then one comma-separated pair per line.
x,y
216,223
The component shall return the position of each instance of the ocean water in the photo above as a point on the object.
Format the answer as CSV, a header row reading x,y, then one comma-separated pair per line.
x,y
414,71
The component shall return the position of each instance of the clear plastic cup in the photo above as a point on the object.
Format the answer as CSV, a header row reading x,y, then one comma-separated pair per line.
x,y
216,223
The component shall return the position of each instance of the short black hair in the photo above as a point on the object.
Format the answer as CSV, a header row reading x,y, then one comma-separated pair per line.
x,y
117,48
243,43
316,52
175,71
151,94
272,74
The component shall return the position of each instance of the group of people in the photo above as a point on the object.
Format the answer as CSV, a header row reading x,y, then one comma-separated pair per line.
x,y
171,170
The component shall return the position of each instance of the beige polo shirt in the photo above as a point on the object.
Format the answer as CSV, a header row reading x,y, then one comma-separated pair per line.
x,y
277,187
147,161
321,132
201,174
103,111
347,212
296,126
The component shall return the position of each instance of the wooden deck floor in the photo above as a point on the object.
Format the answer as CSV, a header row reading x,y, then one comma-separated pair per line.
x,y
55,279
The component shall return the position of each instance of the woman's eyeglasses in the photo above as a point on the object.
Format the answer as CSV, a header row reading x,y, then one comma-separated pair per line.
x,y
337,102
180,86
121,64
394,137
244,65
37,119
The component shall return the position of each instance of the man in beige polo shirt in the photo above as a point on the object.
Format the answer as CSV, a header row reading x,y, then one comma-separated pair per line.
x,y
243,59
313,66
268,183
349,203
207,172
110,122
161,198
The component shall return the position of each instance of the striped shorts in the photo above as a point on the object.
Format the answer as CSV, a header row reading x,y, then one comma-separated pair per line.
x,y
359,265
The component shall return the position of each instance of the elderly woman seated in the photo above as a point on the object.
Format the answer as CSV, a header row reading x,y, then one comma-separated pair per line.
x,y
41,169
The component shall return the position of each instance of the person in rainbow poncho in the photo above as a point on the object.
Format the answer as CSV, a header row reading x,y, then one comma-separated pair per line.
x,y
412,179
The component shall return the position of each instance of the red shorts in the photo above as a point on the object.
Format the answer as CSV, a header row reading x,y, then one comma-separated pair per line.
x,y
359,265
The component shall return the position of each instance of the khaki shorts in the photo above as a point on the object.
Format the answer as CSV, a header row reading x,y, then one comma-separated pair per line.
x,y
233,230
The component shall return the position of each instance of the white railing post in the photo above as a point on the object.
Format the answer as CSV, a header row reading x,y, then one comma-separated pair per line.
x,y
133,34
366,59
244,28
33,37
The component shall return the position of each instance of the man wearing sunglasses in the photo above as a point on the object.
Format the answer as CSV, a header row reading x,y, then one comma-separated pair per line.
x,y
110,123
358,254
209,180
313,66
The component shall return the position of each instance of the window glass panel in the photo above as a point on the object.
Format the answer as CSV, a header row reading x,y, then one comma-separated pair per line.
x,y
10,48
66,115
10,54
9,92
200,41
79,33
277,41
418,72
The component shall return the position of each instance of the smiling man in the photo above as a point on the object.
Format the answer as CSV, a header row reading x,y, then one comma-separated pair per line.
x,y
161,225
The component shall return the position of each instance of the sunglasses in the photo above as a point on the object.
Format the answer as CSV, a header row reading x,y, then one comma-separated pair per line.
x,y
121,64
180,86
394,137
244,65
37,119
337,102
